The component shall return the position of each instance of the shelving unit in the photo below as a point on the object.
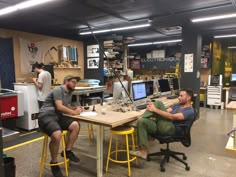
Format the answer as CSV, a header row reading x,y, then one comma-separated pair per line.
x,y
67,67
205,56
114,51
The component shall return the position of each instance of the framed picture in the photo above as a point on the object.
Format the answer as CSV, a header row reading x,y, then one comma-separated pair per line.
x,y
135,64
93,63
93,51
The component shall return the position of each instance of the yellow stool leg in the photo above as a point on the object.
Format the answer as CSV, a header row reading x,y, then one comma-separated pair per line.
x,y
127,150
43,156
133,146
109,151
117,140
64,153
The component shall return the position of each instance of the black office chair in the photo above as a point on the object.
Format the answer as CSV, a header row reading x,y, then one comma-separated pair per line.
x,y
184,137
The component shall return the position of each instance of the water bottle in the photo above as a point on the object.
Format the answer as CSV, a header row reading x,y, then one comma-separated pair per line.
x,y
104,108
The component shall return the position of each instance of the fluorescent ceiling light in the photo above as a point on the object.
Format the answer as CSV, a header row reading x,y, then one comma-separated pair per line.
x,y
157,42
169,41
232,47
116,29
7,10
218,17
22,5
225,36
140,44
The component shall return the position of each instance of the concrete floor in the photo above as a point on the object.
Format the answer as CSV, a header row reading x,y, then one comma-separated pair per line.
x,y
206,155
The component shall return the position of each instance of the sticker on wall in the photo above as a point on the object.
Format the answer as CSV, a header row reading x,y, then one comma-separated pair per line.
x,y
188,62
93,63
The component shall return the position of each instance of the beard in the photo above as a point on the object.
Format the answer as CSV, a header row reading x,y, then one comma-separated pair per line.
x,y
70,89
183,102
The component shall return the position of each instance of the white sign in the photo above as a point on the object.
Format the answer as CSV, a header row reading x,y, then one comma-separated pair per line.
x,y
30,52
188,63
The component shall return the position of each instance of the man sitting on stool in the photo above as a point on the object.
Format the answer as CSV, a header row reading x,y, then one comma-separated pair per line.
x,y
52,122
159,120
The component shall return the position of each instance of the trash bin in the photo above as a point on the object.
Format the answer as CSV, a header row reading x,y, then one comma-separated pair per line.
x,y
9,167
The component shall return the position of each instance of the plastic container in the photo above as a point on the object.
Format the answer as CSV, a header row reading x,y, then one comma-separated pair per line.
x,y
9,167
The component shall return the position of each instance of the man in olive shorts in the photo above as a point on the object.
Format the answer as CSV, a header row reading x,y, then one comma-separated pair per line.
x,y
159,120
52,122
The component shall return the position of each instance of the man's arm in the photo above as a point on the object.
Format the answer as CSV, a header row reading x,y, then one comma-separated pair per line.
x,y
178,116
67,110
38,84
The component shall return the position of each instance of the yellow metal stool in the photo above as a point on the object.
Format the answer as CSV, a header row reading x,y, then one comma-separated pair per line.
x,y
43,158
121,131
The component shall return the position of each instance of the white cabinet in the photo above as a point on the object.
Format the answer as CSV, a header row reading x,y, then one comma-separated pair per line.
x,y
28,121
214,95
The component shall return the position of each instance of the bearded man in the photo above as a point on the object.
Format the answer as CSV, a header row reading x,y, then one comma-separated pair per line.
x,y
52,122
159,120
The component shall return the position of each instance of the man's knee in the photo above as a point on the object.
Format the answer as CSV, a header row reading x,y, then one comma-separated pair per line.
x,y
56,136
74,126
142,122
159,105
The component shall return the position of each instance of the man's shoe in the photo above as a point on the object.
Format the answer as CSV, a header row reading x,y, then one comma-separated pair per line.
x,y
71,156
139,154
56,171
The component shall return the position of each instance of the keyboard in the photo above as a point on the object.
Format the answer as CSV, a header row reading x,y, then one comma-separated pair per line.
x,y
154,97
172,96
141,106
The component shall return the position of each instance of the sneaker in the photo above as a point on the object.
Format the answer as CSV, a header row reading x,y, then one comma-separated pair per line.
x,y
71,156
139,154
56,171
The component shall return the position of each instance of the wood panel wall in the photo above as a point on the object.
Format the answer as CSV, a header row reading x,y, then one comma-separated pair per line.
x,y
49,42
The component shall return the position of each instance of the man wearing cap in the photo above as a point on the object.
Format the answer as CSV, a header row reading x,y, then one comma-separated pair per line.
x,y
52,122
43,82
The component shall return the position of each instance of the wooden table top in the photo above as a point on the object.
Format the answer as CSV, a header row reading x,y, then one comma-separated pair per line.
x,y
110,118
113,118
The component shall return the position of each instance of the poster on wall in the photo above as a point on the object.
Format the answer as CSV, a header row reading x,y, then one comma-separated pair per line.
x,y
93,51
93,63
30,53
135,64
188,63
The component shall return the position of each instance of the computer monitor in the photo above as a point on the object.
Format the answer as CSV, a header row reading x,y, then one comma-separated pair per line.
x,y
139,91
118,90
233,80
50,69
149,87
175,82
176,88
233,77
215,80
164,86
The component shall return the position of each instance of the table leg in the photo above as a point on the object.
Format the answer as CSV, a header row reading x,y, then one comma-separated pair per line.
x,y
226,97
205,98
99,150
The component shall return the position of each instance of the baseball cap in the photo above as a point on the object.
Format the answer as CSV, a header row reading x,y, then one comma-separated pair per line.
x,y
36,65
69,77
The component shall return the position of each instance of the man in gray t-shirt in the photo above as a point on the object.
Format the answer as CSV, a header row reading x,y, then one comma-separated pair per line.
x,y
52,122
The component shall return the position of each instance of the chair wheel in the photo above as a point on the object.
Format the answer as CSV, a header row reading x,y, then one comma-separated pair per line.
x,y
148,158
163,169
187,168
184,157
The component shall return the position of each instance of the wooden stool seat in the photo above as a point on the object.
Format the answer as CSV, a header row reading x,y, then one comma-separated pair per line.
x,y
44,155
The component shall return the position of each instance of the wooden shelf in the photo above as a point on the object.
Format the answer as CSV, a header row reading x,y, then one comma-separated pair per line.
x,y
67,67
